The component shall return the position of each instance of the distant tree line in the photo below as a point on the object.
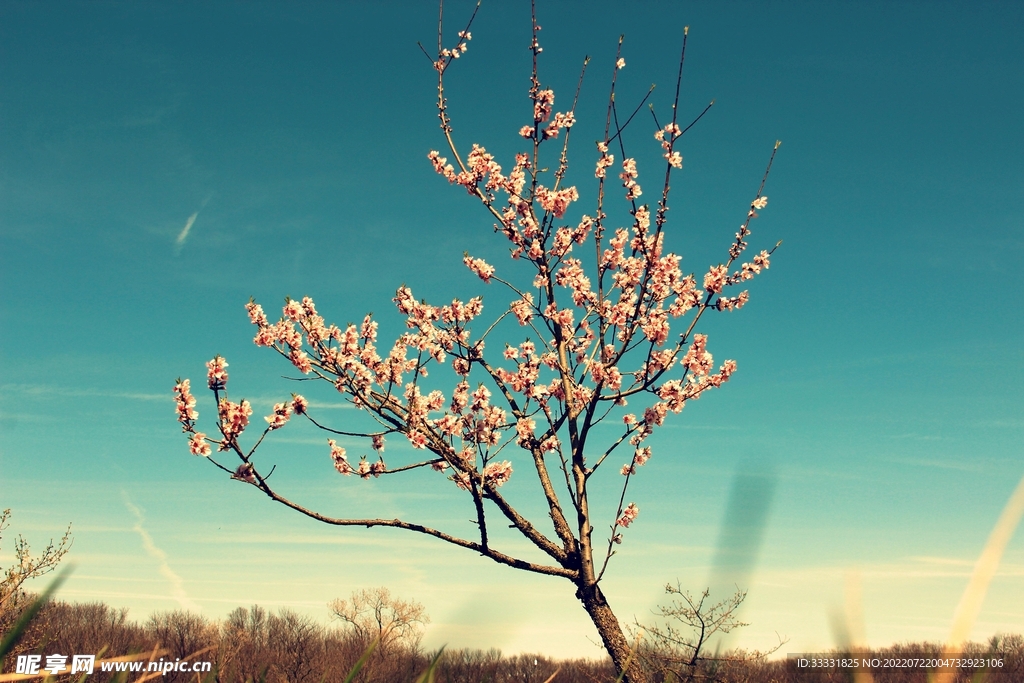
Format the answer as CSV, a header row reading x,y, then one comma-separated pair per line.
x,y
254,644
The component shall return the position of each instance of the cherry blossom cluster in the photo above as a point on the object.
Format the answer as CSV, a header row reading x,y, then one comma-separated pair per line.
x,y
197,444
628,515
604,161
350,361
482,269
234,418
599,330
184,405
740,244
245,472
629,175
282,413
216,375
497,473
667,136
448,54
640,457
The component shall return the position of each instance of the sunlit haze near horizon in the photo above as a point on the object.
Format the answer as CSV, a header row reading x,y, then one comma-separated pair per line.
x,y
161,163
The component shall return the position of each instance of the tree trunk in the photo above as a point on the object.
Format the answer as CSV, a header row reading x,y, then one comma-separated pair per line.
x,y
611,633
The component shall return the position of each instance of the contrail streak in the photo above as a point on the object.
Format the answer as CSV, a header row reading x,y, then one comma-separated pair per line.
x,y
183,235
177,585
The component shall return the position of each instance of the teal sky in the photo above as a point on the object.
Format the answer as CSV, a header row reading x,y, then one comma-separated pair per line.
x,y
880,358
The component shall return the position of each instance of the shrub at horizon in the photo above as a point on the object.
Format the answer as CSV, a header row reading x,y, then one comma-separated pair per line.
x,y
598,335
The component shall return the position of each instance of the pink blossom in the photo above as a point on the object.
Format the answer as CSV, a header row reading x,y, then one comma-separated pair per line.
x,y
364,470
435,399
604,161
760,203
293,311
246,473
656,327
523,308
556,201
287,334
417,438
674,393
628,515
715,278
256,314
462,480
198,446
654,416
524,428
550,445
339,458
277,419
216,375
301,361
442,166
560,121
629,176
621,63
728,368
299,404
483,270
643,219
460,397
543,101
266,336
536,251
497,473
697,358
667,135
185,403
725,303
234,418
526,132
481,398
377,441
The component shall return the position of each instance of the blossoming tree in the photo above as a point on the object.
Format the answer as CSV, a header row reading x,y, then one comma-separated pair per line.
x,y
598,333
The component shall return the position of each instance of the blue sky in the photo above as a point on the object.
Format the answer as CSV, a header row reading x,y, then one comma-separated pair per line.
x,y
880,361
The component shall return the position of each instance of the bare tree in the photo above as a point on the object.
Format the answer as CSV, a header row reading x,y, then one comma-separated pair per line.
x,y
183,633
374,613
678,648
298,643
244,643
597,334
25,567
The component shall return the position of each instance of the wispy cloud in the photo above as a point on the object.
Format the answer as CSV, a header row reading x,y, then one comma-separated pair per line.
x,y
43,389
179,242
183,235
246,601
177,585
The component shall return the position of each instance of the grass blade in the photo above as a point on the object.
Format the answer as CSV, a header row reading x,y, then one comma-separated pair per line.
x,y
18,630
362,661
428,675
